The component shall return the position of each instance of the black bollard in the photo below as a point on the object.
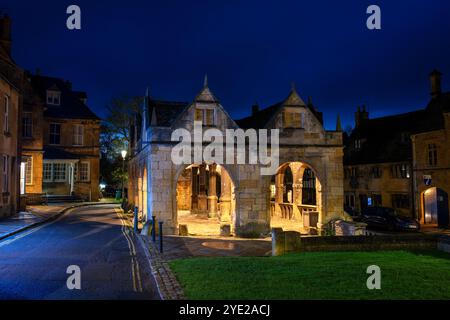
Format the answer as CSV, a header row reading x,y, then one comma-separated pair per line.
x,y
153,228
136,219
160,237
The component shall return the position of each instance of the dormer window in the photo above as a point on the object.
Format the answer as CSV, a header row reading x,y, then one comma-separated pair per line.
x,y
292,119
205,115
53,97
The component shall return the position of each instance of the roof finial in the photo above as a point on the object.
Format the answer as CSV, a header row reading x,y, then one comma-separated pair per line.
x,y
338,123
147,92
293,86
205,82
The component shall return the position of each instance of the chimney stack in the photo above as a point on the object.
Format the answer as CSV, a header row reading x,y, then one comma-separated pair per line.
x,y
435,81
361,116
255,109
5,33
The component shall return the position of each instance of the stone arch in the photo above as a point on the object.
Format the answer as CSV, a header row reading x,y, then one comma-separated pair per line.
x,y
227,179
290,215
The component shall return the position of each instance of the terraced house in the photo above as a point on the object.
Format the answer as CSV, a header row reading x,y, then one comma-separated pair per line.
x,y
402,161
60,141
225,198
10,78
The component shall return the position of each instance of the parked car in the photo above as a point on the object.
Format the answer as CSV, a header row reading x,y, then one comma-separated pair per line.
x,y
352,212
388,219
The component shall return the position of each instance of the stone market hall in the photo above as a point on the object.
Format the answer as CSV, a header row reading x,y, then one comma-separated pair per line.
x,y
236,199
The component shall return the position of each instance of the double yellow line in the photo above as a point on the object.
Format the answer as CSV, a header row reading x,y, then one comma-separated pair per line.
x,y
135,271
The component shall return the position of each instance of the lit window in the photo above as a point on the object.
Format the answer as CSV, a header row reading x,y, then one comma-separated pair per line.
x,y
206,116
59,172
400,171
29,171
357,144
47,174
432,155
293,119
78,135
6,115
27,125
55,133
53,97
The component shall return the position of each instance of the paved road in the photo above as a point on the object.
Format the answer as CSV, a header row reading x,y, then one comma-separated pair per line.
x,y
33,264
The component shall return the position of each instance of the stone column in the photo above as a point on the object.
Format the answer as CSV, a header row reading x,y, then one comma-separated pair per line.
x,y
212,194
202,198
194,188
225,198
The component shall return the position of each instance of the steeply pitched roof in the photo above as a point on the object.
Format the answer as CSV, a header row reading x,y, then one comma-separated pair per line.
x,y
387,139
166,112
261,118
71,107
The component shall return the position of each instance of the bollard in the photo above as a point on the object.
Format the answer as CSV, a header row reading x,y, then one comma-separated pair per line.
x,y
160,237
136,219
153,228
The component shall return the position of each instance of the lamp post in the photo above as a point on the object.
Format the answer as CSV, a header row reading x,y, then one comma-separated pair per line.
x,y
124,154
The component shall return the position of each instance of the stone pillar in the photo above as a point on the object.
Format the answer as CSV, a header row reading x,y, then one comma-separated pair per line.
x,y
194,189
212,194
225,198
202,198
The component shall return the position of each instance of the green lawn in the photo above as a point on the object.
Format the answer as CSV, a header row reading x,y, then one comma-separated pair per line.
x,y
317,275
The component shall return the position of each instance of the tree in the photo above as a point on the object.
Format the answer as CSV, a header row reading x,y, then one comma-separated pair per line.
x,y
115,137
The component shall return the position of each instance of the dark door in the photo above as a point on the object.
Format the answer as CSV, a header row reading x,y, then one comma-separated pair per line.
x,y
442,208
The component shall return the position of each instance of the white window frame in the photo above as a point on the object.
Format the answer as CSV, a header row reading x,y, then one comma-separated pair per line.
x,y
51,172
6,114
78,135
29,166
54,97
54,178
88,171
54,133
27,115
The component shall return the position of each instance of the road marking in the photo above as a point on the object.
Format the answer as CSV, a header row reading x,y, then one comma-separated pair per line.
x,y
135,270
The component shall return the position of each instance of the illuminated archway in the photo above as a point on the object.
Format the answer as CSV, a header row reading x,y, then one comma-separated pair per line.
x,y
205,200
435,207
296,198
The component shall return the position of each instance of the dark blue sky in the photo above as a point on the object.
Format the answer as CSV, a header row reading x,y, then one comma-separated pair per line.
x,y
252,50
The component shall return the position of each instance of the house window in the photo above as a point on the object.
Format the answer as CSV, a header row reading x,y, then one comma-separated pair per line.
x,y
53,97
206,116
55,133
357,144
400,171
5,173
6,115
27,125
59,172
376,172
78,134
432,155
84,171
293,119
29,171
47,174
350,200
400,201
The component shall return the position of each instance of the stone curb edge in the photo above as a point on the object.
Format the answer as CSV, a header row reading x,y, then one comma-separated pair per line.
x,y
53,217
167,284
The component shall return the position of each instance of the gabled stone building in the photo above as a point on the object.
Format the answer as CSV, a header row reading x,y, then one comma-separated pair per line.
x,y
10,99
306,190
60,139
387,160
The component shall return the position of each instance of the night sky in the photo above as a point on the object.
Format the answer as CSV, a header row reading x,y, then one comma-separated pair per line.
x,y
251,50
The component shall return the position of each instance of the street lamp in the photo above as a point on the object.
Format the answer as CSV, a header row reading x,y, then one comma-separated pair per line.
x,y
124,154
